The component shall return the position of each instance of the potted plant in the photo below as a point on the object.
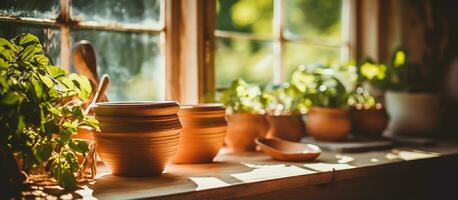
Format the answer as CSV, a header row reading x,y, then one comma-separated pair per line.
x,y
284,112
368,117
328,119
412,107
245,105
40,110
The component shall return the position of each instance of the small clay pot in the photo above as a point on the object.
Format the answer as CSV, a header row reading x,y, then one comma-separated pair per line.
x,y
369,123
202,136
287,127
328,124
243,129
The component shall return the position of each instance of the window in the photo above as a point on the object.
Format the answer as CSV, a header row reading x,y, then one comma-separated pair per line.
x,y
128,36
263,41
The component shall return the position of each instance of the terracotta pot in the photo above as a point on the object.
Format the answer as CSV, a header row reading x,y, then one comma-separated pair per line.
x,y
287,127
137,138
369,123
132,156
204,129
415,114
136,109
84,134
243,129
328,124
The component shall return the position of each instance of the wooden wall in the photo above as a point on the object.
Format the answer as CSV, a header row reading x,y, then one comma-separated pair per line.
x,y
428,30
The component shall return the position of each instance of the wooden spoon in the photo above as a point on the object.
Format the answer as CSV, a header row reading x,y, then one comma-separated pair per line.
x,y
85,60
85,63
288,151
100,93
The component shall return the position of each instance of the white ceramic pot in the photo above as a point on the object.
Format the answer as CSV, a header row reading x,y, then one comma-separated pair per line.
x,y
413,114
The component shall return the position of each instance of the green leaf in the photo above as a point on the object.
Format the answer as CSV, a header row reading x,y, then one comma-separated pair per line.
x,y
47,81
3,64
20,124
93,122
7,54
71,126
67,82
51,127
55,71
42,60
55,111
29,52
4,43
79,146
37,88
64,175
9,99
83,84
43,152
25,39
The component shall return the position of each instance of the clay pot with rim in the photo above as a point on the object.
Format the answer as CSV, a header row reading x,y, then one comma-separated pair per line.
x,y
328,124
368,122
203,133
286,127
243,129
137,138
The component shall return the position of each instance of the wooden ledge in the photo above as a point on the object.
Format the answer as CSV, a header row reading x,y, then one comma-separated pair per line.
x,y
254,174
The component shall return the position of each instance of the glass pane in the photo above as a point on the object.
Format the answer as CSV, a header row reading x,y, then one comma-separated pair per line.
x,y
314,18
143,12
299,54
245,16
132,60
30,8
247,59
49,37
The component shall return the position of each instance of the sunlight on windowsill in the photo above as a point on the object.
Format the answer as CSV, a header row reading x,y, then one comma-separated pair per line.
x,y
266,172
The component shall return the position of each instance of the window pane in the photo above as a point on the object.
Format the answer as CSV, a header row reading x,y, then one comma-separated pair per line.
x,y
245,16
247,59
299,54
132,60
30,8
314,18
144,12
49,37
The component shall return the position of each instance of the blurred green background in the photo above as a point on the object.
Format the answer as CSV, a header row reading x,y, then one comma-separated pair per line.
x,y
253,60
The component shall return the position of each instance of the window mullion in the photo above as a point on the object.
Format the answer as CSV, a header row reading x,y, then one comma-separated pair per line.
x,y
65,41
279,40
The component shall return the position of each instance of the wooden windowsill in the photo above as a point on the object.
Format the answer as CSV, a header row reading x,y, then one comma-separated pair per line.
x,y
251,174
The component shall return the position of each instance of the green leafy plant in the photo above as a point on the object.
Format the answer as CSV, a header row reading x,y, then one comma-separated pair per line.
x,y
286,98
40,110
397,74
361,99
321,87
241,97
